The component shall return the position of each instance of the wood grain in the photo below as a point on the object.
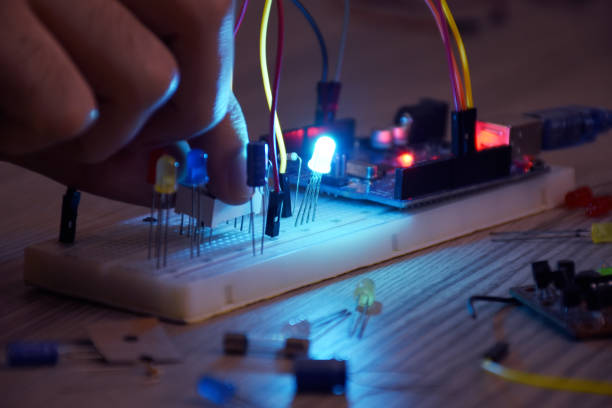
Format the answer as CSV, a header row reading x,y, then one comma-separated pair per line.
x,y
423,349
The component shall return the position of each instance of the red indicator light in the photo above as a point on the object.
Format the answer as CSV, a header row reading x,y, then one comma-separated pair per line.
x,y
405,159
491,135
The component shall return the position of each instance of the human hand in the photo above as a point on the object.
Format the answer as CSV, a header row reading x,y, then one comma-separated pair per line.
x,y
90,87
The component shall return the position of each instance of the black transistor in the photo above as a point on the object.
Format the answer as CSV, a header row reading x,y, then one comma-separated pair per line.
x,y
70,206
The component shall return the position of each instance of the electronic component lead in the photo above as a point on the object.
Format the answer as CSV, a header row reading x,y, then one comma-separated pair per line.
x,y
196,177
257,177
163,191
319,164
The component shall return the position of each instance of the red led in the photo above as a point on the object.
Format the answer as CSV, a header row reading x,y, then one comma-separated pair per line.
x,y
581,197
314,131
405,159
599,206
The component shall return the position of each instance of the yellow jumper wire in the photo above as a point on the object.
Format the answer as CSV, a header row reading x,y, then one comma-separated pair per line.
x,y
462,54
544,381
263,62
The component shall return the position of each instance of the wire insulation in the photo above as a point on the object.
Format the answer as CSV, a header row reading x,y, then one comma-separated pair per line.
x,y
320,38
449,53
345,24
544,381
263,62
462,54
438,20
279,63
243,9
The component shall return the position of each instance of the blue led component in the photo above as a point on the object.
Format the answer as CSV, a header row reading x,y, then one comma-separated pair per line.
x,y
324,150
216,391
196,173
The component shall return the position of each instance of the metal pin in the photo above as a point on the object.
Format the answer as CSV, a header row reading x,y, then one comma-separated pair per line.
x,y
151,225
197,232
252,226
263,217
181,228
241,222
159,230
166,230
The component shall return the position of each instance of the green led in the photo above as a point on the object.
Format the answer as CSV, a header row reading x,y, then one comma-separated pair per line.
x,y
364,293
605,270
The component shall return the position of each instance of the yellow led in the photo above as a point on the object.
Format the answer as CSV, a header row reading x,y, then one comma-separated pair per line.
x,y
601,232
165,175
364,293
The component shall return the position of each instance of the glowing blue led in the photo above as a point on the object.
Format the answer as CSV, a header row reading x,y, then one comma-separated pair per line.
x,y
195,173
324,150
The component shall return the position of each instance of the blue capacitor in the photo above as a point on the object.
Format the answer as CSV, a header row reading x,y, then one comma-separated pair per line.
x,y
31,354
216,391
196,173
257,161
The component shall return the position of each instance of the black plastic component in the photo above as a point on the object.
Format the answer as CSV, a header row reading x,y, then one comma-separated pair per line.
x,y
447,174
235,343
498,352
257,163
584,279
328,94
567,269
320,376
571,296
275,209
70,206
604,295
558,279
296,347
286,195
302,140
542,274
463,132
428,120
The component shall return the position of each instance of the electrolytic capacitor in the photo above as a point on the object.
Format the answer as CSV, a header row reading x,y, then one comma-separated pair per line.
x,y
257,177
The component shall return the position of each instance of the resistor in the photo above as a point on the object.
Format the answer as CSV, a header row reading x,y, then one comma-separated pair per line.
x,y
257,177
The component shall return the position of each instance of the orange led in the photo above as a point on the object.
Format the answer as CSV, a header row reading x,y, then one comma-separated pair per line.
x,y
406,159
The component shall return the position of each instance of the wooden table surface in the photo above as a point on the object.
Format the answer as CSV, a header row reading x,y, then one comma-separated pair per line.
x,y
423,349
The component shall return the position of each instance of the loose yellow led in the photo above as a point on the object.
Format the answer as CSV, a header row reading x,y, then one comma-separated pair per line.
x,y
165,175
364,293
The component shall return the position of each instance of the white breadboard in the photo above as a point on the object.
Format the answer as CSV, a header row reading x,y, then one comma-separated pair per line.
x,y
110,265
